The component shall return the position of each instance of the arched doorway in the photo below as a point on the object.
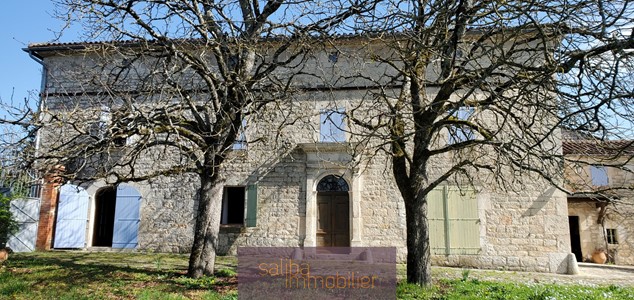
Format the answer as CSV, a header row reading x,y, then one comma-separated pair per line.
x,y
105,201
116,218
333,212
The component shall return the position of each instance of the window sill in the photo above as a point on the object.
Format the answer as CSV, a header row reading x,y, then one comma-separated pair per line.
x,y
231,228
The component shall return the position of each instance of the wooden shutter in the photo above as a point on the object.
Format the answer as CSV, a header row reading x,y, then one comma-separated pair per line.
x,y
464,224
252,205
72,216
126,217
436,218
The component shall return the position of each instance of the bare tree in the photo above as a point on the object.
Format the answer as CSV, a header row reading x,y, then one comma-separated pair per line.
x,y
476,92
468,89
165,89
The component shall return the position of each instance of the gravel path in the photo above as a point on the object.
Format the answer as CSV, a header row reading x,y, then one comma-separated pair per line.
x,y
589,274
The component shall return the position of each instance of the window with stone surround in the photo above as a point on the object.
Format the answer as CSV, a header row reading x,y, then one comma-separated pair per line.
x,y
98,128
599,175
332,183
610,235
332,128
236,201
241,141
454,225
463,133
233,205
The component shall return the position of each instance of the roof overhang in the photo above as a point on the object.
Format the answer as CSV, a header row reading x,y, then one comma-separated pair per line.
x,y
589,197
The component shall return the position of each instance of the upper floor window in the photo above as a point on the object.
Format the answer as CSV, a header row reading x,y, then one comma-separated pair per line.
x,y
97,128
333,57
241,141
458,133
599,175
332,126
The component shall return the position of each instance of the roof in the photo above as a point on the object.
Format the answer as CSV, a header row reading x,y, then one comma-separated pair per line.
x,y
597,147
589,197
37,48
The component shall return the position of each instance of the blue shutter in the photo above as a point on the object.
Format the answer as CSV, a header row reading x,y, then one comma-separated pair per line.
x,y
72,216
126,217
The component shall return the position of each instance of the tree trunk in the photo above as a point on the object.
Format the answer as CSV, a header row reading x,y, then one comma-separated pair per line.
x,y
203,254
418,250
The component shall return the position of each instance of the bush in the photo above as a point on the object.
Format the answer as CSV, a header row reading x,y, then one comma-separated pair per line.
x,y
7,223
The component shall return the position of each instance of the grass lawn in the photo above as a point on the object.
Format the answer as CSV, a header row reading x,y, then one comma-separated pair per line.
x,y
103,275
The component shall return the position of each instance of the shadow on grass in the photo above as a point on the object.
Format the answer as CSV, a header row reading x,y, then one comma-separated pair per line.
x,y
123,272
68,270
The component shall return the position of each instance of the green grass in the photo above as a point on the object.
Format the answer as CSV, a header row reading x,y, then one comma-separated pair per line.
x,y
475,289
84,275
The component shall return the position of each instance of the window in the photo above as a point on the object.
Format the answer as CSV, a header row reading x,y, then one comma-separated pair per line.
x,y
118,139
458,133
332,126
233,205
599,175
610,235
454,226
333,57
332,183
241,141
99,127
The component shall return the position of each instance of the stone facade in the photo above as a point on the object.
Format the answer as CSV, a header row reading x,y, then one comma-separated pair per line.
x,y
601,207
522,230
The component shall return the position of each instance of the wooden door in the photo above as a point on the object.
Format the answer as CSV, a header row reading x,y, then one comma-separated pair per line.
x,y
72,216
126,217
333,220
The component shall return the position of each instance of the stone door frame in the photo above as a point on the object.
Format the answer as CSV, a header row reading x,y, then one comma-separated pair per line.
x,y
331,159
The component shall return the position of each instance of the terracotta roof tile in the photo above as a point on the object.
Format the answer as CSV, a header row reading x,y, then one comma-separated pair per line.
x,y
596,147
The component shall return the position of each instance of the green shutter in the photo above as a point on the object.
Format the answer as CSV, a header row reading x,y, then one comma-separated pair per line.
x,y
252,205
464,224
436,218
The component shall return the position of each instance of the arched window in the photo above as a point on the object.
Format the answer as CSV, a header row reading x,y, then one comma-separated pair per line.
x,y
332,183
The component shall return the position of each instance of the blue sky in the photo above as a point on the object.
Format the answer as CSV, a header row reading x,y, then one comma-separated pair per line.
x,y
23,22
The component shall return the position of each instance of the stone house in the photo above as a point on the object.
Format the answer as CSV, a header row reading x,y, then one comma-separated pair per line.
x,y
315,188
600,213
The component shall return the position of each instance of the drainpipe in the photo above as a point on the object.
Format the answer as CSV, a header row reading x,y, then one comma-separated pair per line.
x,y
42,94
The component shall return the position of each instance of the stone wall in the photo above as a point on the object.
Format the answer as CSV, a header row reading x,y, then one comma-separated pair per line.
x,y
524,229
616,197
592,233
